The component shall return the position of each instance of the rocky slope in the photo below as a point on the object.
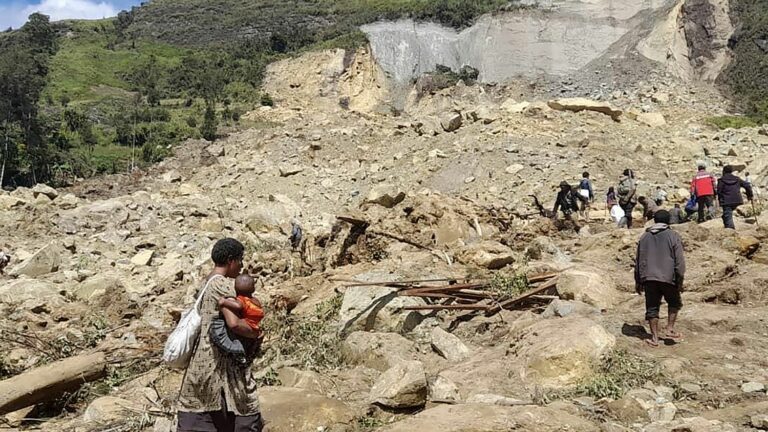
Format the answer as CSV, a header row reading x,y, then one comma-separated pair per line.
x,y
443,188
561,38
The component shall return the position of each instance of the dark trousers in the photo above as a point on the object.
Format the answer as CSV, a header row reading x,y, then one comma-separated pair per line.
x,y
728,216
654,292
219,421
628,213
705,204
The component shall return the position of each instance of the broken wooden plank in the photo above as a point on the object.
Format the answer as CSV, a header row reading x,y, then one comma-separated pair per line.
x,y
510,302
447,307
541,277
46,383
440,289
398,238
357,283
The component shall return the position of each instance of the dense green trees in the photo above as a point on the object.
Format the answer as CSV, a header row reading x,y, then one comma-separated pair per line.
x,y
747,75
24,57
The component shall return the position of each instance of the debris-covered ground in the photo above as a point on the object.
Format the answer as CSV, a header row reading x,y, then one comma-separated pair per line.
x,y
427,294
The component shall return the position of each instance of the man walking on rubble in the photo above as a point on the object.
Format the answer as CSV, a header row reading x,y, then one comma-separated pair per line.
x,y
627,191
659,272
703,186
568,202
729,194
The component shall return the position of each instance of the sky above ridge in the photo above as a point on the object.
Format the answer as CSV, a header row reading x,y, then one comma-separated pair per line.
x,y
14,13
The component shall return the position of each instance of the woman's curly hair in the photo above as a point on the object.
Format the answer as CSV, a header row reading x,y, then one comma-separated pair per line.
x,y
227,250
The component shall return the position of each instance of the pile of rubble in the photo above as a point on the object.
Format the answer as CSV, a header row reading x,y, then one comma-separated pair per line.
x,y
427,292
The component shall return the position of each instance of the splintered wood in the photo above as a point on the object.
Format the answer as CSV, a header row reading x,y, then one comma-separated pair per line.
x,y
471,296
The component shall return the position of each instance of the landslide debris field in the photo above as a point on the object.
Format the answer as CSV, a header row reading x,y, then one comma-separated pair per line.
x,y
428,293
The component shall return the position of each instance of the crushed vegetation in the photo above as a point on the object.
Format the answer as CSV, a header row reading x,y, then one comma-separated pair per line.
x,y
311,341
619,372
506,285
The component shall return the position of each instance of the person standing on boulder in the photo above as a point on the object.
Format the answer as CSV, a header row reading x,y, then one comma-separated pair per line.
x,y
627,190
729,194
660,272
217,393
703,186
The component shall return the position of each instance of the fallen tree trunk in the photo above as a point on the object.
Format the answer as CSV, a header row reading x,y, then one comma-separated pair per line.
x,y
48,382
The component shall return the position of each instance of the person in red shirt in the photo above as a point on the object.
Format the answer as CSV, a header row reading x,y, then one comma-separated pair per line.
x,y
703,187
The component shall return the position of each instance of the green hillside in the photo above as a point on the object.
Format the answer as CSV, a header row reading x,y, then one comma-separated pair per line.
x,y
89,65
103,96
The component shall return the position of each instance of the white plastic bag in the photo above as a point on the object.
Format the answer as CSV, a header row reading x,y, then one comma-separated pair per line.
x,y
617,213
181,342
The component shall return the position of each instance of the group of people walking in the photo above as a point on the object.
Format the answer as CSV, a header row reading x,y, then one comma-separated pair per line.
x,y
705,191
218,391
660,260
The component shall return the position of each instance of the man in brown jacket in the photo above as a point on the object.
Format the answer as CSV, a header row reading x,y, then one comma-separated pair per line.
x,y
660,271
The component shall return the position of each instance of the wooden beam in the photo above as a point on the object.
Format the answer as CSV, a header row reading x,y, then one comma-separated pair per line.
x,y
447,307
46,383
511,302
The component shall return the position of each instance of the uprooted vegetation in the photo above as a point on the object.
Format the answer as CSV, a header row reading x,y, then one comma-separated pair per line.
x,y
619,372
312,342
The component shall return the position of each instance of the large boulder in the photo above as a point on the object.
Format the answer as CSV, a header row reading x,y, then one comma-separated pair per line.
x,y
110,213
692,424
448,345
45,190
583,104
379,351
307,380
588,286
451,121
443,389
172,268
563,308
95,288
402,386
377,308
558,353
652,119
9,202
492,418
292,409
271,216
107,409
44,261
644,405
385,195
23,289
143,258
487,254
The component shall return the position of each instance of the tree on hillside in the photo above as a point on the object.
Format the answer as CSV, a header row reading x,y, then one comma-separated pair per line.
x,y
208,129
24,58
145,78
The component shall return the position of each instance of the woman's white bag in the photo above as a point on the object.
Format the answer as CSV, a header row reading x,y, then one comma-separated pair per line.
x,y
181,342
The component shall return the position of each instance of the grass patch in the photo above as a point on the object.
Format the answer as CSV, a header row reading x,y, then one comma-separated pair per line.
x,y
734,122
312,341
85,68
